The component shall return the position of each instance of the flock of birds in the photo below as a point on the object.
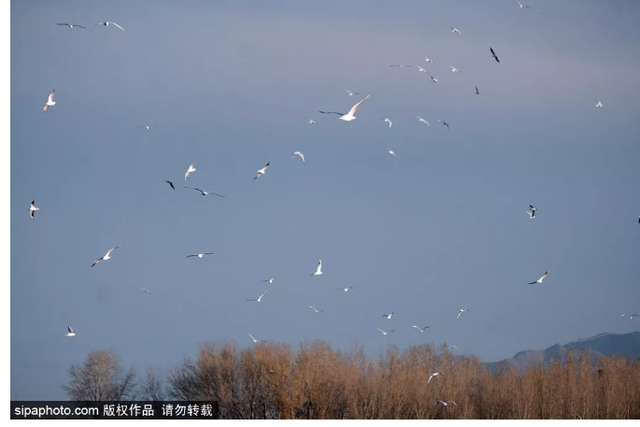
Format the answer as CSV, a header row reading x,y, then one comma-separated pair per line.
x,y
346,117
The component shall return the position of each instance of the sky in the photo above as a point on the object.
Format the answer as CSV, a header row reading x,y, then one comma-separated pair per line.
x,y
231,85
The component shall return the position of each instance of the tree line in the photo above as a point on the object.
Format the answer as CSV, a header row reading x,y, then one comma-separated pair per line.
x,y
272,381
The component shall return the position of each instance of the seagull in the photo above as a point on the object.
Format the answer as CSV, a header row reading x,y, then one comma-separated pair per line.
x,y
391,152
105,257
433,79
351,93
452,347
396,65
420,119
205,193
350,115
385,333
630,316
444,123
106,24
70,332
388,121
477,91
428,60
421,69
462,310
192,168
599,104
312,122
171,184
72,26
270,280
200,255
455,30
316,310
319,269
521,5
435,374
261,171
299,154
388,316
445,403
540,279
455,70
494,54
146,291
33,209
345,289
259,298
421,329
531,212
254,340
146,127
50,102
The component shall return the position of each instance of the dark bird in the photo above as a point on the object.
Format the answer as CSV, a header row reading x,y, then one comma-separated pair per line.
x,y
205,193
445,123
477,91
171,184
494,54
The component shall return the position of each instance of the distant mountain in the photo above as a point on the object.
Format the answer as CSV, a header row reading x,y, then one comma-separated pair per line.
x,y
605,344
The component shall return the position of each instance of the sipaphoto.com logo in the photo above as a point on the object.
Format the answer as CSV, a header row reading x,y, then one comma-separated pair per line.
x,y
52,410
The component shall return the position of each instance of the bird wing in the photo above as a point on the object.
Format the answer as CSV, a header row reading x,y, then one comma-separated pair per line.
x,y
355,107
117,25
380,330
96,261
532,283
252,337
45,108
69,329
189,256
207,253
51,95
80,26
95,25
113,249
332,112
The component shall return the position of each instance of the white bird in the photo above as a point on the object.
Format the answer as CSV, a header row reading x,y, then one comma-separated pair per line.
x,y
462,310
521,6
200,255
299,154
319,269
50,101
540,279
385,333
192,168
351,93
599,104
146,291
315,309
452,347
72,26
455,30
105,257
350,115
254,340
33,209
261,171
396,65
388,316
106,24
420,119
445,403
146,127
421,329
388,121
205,193
428,60
270,280
345,289
630,316
70,332
455,70
435,374
422,70
312,122
259,298
391,152
531,212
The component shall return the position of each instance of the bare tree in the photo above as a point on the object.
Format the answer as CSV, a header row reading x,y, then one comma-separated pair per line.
x,y
101,378
152,388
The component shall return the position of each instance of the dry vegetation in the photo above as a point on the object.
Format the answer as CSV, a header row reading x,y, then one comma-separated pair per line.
x,y
272,381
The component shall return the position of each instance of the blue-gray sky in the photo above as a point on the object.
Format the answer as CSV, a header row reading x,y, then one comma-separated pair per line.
x,y
231,85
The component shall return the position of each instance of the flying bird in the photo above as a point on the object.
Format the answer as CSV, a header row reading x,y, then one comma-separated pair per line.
x,y
599,104
72,26
350,115
388,316
146,291
445,403
200,255
318,269
146,127
521,6
270,280
50,102
428,60
106,24
630,316
452,347
462,310
455,70
455,30
70,332
254,340
396,65
205,193
435,374
345,289
385,333
171,184
33,209
351,93
388,121
192,168
445,123
312,122
477,91
315,309
391,152
420,119
421,329
531,212
422,70
259,298
494,54
261,171
105,257
540,279
299,154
